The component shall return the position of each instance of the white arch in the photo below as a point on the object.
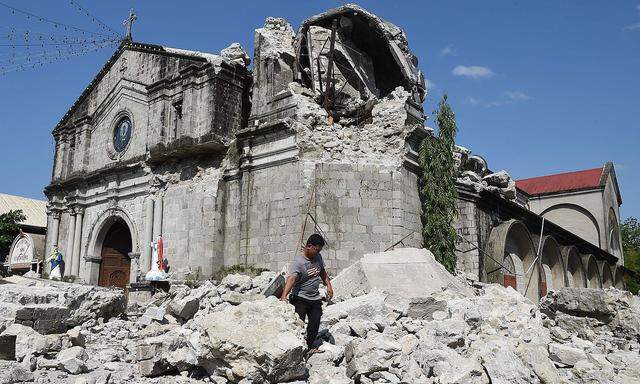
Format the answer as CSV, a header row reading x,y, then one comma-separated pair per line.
x,y
552,258
576,274
592,271
614,235
576,219
605,274
618,278
513,238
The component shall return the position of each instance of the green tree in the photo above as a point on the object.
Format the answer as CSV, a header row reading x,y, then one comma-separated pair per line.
x,y
630,233
9,229
437,188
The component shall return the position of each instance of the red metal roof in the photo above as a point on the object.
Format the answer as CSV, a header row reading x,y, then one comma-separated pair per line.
x,y
561,182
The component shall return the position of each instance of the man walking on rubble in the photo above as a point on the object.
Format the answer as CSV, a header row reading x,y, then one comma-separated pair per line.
x,y
303,280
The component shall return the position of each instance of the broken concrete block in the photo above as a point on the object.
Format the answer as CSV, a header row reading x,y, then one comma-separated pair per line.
x,y
51,307
499,179
565,355
397,272
276,285
155,313
76,337
236,298
28,341
14,372
185,307
7,347
153,367
365,356
72,360
424,308
236,282
262,340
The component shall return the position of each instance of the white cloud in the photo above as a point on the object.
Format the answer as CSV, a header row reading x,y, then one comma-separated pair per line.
x,y
635,26
510,97
472,100
517,95
448,50
474,71
632,27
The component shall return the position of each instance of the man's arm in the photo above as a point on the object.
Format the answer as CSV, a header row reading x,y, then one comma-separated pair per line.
x,y
327,282
291,280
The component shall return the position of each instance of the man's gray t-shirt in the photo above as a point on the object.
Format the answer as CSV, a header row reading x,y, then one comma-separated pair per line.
x,y
307,273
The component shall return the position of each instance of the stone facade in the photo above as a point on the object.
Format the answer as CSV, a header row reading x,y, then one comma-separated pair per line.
x,y
184,108
233,167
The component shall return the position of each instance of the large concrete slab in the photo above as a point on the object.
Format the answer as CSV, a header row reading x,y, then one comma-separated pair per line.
x,y
406,272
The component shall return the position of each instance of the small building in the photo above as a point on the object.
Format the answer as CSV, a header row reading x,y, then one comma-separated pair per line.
x,y
541,233
27,249
584,202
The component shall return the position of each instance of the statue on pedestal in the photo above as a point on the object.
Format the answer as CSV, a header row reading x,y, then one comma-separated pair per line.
x,y
156,272
57,263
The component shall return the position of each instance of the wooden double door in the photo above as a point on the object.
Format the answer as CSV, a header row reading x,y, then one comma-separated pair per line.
x,y
115,267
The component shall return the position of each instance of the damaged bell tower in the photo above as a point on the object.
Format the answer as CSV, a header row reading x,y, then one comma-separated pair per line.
x,y
347,57
331,141
350,58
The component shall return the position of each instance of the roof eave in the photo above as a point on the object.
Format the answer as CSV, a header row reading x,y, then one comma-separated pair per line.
x,y
553,193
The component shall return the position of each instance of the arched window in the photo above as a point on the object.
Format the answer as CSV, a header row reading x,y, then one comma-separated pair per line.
x,y
614,234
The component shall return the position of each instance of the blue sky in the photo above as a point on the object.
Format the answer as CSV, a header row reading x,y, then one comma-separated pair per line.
x,y
537,87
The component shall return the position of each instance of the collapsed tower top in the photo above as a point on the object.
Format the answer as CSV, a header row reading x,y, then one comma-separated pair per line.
x,y
352,51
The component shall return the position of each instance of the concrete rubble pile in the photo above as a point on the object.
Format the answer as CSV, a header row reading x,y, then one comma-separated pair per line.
x,y
473,172
463,332
53,307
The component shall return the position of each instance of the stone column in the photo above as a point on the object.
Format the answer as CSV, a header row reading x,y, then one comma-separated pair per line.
x,y
68,257
157,221
55,227
145,262
77,242
63,156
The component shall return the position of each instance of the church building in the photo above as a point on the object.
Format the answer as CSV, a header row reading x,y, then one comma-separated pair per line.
x,y
220,164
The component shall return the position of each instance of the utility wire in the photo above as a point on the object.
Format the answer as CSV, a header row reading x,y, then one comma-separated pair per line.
x,y
41,62
15,31
31,55
28,54
15,35
47,20
95,19
61,43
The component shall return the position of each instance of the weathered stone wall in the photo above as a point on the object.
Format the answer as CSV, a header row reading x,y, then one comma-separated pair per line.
x,y
364,209
191,222
473,225
359,208
264,214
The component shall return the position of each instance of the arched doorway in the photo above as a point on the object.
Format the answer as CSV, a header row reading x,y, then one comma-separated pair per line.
x,y
115,265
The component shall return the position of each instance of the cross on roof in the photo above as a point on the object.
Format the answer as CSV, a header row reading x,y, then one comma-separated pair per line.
x,y
129,23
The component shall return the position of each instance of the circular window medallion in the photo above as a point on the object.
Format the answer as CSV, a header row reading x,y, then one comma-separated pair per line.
x,y
122,134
